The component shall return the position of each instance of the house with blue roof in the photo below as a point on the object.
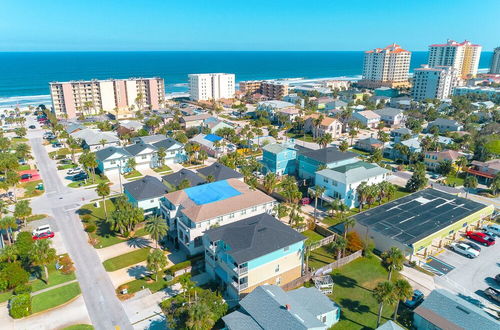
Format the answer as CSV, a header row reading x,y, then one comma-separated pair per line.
x,y
242,255
279,159
270,307
145,193
309,160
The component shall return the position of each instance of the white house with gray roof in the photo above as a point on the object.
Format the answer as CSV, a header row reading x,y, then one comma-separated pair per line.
x,y
145,193
93,139
391,116
341,182
112,160
144,154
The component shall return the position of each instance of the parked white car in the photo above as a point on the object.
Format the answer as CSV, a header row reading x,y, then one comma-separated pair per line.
x,y
42,229
494,229
464,250
75,171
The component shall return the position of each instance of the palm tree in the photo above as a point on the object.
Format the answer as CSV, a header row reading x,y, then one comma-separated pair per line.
x,y
210,178
162,153
362,192
186,285
393,259
22,210
318,192
156,227
281,210
402,291
383,294
348,223
324,140
343,146
495,184
103,191
470,182
8,223
270,181
9,253
338,246
156,261
103,142
131,163
42,254
200,317
461,163
183,184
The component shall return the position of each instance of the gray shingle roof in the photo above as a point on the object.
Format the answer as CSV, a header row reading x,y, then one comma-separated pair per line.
x,y
389,112
444,121
166,143
220,172
254,237
145,188
389,325
135,149
355,172
105,153
240,320
327,155
313,300
176,178
151,139
443,308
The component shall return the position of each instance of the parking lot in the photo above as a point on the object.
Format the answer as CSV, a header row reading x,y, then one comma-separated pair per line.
x,y
470,276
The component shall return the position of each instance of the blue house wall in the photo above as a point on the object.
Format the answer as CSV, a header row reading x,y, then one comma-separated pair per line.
x,y
308,166
280,163
270,257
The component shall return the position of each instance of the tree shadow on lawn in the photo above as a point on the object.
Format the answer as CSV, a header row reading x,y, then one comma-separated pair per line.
x,y
138,272
139,242
104,229
354,306
363,327
344,281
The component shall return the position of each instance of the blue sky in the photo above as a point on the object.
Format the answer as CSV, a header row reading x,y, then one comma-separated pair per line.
x,y
38,25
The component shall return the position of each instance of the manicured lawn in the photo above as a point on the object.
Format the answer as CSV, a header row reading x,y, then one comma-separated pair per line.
x,y
312,236
79,327
353,292
146,282
306,137
164,168
30,188
17,140
92,180
320,257
66,166
55,278
4,296
456,180
132,174
126,260
360,152
35,217
24,167
55,297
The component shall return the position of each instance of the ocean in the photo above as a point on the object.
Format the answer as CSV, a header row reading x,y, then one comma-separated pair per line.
x,y
24,76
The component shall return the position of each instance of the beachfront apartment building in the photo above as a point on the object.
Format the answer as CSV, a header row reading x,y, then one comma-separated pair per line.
x,y
73,98
495,61
211,86
463,57
250,87
387,67
192,211
274,89
434,83
243,255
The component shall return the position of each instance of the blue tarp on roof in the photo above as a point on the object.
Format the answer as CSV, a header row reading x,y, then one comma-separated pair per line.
x,y
212,137
211,192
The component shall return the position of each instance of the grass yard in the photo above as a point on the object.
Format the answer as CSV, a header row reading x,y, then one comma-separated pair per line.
x,y
132,174
320,257
79,327
55,278
312,236
456,180
30,189
55,297
353,292
35,217
17,140
126,260
66,166
94,179
360,152
24,167
4,296
302,137
162,169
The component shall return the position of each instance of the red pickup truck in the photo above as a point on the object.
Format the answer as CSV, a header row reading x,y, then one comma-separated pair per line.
x,y
480,237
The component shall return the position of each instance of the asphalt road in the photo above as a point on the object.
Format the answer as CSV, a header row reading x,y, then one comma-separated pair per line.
x,y
104,308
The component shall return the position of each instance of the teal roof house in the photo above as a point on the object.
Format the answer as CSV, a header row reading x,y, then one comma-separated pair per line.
x,y
279,159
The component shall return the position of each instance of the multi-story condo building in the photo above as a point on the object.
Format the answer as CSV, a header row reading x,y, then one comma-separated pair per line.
x,y
387,67
211,86
464,56
490,92
192,211
242,255
434,83
72,98
274,89
250,87
495,61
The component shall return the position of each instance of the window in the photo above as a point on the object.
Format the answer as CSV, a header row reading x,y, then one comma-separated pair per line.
x,y
113,162
325,180
323,318
277,269
278,280
144,157
254,208
231,216
243,212
152,201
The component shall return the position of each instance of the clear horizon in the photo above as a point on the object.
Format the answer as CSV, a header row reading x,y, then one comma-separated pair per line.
x,y
198,25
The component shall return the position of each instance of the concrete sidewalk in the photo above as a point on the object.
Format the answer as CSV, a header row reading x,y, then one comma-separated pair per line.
x,y
419,280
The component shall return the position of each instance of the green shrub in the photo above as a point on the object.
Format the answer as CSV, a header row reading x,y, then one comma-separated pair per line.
x,y
90,228
14,274
20,306
4,284
22,288
86,217
179,266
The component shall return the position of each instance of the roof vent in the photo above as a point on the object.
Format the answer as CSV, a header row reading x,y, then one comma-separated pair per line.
x,y
288,307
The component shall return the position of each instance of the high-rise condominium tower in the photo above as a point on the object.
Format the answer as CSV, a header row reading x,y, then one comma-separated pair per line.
x,y
211,86
462,56
495,61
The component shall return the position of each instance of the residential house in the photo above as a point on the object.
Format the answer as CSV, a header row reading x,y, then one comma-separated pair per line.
x,y
131,125
144,154
279,159
289,113
310,160
213,144
442,140
485,171
74,127
322,101
145,193
402,133
335,105
369,144
149,139
192,211
245,254
214,124
432,159
380,100
294,99
351,95
273,105
390,325
445,125
392,151
94,139
174,150
486,105
442,309
172,181
402,102
342,181
194,120
270,307
112,160
328,125
367,118
219,172
391,116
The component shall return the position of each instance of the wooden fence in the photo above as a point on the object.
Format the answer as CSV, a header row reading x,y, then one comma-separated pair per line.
x,y
336,264
322,242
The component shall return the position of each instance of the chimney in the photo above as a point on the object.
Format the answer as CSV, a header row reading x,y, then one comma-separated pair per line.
x,y
288,307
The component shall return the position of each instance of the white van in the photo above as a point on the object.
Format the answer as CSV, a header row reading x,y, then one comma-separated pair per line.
x,y
41,229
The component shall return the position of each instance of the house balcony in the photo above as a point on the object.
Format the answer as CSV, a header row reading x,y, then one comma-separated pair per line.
x,y
239,287
239,271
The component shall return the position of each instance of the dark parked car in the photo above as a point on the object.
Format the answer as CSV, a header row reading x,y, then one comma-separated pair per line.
x,y
80,177
417,297
32,126
473,245
26,176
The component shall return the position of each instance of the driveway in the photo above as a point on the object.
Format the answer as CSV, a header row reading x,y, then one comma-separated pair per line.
x,y
470,277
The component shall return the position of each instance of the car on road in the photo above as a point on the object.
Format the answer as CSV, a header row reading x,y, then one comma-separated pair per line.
x,y
480,237
417,298
45,235
31,126
464,250
473,245
74,171
80,177
495,229
493,294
